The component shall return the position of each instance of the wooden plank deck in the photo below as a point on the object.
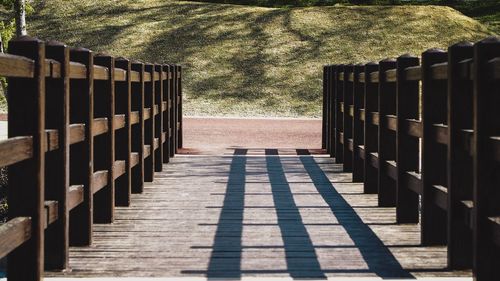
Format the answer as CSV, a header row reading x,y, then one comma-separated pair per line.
x,y
248,215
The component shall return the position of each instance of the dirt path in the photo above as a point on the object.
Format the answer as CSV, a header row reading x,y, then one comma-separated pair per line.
x,y
224,135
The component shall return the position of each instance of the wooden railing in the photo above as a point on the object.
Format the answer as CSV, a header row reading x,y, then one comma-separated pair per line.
x,y
426,131
85,131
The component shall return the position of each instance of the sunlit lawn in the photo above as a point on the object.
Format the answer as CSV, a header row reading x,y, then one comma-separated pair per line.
x,y
251,61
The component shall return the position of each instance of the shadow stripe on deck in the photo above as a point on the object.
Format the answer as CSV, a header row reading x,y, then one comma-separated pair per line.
x,y
258,216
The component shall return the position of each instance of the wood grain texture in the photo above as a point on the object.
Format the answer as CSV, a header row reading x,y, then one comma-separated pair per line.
x,y
260,216
15,149
76,133
14,232
75,196
413,73
16,66
77,70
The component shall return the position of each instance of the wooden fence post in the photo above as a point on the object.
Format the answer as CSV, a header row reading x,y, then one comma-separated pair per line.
x,y
358,127
57,162
166,114
82,112
173,113
434,101
339,120
137,105
371,130
26,103
331,109
386,136
158,101
459,162
104,144
123,91
149,124
485,162
324,124
407,154
348,107
179,109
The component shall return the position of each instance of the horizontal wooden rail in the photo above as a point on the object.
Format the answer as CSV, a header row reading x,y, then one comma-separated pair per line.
x,y
390,75
413,73
75,196
16,66
14,233
15,150
361,78
374,77
439,71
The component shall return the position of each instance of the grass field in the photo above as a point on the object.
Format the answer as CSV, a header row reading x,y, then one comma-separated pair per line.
x,y
251,61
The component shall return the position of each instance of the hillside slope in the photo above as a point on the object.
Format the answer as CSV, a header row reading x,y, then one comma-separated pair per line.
x,y
242,60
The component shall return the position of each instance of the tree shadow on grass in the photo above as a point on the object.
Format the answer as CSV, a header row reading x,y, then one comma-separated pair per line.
x,y
237,55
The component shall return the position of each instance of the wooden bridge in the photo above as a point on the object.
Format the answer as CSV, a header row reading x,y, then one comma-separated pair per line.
x,y
372,203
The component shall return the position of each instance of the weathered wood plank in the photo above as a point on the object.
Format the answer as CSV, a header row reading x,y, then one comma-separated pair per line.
x,y
15,149
75,196
16,66
14,233
245,216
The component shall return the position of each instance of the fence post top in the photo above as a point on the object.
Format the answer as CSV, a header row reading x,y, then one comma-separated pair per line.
x,y
433,51
26,38
406,56
103,55
387,60
371,63
359,67
490,40
81,49
348,67
55,43
462,44
122,59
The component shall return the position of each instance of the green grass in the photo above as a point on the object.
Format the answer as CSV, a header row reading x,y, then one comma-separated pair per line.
x,y
251,61
3,194
486,12
3,102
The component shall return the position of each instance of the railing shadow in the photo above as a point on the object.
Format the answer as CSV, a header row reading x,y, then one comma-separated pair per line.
x,y
376,255
302,261
293,231
221,266
225,260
